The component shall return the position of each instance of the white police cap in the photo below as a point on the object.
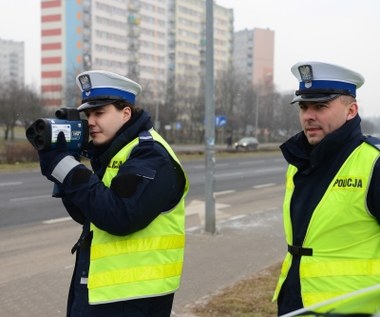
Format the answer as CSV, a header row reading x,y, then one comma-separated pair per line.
x,y
100,88
323,82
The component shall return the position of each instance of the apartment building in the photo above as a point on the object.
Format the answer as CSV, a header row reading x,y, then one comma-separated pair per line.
x,y
159,43
130,38
12,62
188,41
253,56
124,36
61,50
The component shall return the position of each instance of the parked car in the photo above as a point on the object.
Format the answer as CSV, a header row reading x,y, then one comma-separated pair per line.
x,y
247,144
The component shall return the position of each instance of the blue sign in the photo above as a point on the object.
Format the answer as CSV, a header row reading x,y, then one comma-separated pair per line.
x,y
178,126
220,121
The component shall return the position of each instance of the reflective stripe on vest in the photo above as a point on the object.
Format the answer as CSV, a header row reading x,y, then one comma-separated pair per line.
x,y
344,236
143,264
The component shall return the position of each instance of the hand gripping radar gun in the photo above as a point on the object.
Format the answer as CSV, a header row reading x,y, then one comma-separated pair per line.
x,y
43,133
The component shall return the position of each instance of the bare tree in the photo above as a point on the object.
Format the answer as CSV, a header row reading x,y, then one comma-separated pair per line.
x,y
71,94
18,104
230,91
286,118
30,107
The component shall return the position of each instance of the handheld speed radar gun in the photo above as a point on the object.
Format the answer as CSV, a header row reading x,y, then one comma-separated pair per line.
x,y
43,134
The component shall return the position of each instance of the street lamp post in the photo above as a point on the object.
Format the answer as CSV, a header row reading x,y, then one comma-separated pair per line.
x,y
257,114
209,121
156,119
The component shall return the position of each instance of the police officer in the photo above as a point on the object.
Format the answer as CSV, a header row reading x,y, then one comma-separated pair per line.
x,y
129,257
332,198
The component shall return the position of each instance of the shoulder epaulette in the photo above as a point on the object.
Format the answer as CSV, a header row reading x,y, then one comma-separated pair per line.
x,y
145,136
374,141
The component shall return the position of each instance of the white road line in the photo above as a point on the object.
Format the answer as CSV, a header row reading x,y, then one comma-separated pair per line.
x,y
30,198
192,229
224,192
263,185
10,184
69,267
57,220
250,163
229,174
237,217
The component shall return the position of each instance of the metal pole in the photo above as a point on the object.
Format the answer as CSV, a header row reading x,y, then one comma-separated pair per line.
x,y
209,120
157,120
257,114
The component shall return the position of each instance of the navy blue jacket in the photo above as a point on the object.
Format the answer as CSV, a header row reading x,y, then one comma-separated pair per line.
x,y
148,183
316,168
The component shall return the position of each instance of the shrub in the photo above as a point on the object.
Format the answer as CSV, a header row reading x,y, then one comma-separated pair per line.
x,y
14,152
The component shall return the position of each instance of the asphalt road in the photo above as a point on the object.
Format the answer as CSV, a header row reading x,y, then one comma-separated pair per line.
x,y
36,235
25,196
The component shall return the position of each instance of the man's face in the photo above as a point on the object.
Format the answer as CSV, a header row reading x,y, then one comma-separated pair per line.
x,y
321,118
105,121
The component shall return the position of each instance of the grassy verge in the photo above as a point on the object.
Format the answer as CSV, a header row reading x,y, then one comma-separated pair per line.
x,y
248,298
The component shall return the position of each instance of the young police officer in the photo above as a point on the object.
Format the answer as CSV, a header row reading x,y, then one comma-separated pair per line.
x,y
129,257
332,198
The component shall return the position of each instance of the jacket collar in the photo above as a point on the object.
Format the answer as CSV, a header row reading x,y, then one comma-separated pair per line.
x,y
101,155
297,151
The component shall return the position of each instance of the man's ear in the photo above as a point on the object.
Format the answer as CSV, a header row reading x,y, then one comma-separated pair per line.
x,y
352,110
127,113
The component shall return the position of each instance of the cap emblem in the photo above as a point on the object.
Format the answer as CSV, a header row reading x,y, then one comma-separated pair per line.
x,y
306,73
85,82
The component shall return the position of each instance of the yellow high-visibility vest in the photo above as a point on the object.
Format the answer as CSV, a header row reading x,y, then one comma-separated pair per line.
x,y
146,263
343,235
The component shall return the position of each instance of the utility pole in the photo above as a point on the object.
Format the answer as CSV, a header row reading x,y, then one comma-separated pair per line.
x,y
157,119
209,121
257,113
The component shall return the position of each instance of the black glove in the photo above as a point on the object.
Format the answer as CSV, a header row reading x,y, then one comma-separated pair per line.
x,y
58,162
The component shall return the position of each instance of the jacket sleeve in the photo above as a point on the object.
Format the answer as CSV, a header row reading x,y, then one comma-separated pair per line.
x,y
148,183
74,212
373,196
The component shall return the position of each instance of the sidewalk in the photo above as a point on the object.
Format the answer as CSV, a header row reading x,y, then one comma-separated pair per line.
x,y
242,247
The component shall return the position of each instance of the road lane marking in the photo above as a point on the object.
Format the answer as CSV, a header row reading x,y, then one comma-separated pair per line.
x,y
29,198
224,192
192,229
229,174
197,207
10,184
57,220
237,217
263,186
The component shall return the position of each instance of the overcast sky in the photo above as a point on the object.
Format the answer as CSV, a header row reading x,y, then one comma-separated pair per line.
x,y
345,32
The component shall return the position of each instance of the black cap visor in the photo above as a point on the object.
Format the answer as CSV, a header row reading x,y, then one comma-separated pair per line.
x,y
96,103
313,98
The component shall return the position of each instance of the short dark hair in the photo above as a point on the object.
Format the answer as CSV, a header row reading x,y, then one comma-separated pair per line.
x,y
347,99
120,105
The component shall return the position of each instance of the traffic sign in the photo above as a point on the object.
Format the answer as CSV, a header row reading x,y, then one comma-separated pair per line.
x,y
220,121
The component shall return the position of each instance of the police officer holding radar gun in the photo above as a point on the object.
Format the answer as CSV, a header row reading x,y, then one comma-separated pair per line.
x,y
129,257
331,206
